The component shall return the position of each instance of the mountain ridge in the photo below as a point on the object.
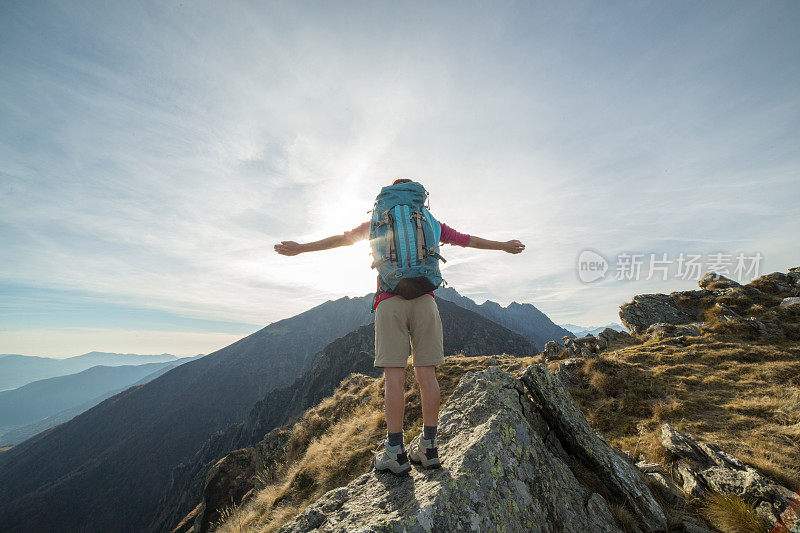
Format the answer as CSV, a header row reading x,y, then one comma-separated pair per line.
x,y
18,370
45,397
523,318
21,433
141,434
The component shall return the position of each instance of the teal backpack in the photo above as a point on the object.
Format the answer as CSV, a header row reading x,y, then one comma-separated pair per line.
x,y
404,238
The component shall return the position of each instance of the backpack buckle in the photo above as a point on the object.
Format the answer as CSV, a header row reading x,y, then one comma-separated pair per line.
x,y
431,252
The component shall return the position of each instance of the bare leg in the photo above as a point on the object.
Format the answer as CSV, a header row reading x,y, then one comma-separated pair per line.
x,y
394,398
429,390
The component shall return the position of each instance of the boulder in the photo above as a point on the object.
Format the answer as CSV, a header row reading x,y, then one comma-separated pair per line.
x,y
719,281
563,416
648,309
581,347
779,284
610,335
566,372
706,468
552,350
792,300
663,330
517,455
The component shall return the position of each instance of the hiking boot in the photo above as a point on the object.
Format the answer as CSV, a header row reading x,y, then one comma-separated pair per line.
x,y
426,453
394,459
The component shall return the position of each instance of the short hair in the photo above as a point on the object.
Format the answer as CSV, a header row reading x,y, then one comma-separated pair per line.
x,y
401,180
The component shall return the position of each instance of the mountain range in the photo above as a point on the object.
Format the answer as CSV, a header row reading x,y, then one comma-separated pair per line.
x,y
525,319
582,331
128,448
40,405
124,449
18,370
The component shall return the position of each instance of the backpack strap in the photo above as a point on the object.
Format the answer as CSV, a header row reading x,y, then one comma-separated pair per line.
x,y
390,238
417,217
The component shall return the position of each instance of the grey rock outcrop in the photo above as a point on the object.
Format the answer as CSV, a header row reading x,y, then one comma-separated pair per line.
x,y
581,347
589,346
648,309
567,370
609,336
232,479
517,455
781,284
704,468
792,300
552,350
794,275
663,330
718,280
724,306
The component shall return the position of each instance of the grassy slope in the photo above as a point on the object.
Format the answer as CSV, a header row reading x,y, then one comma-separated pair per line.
x,y
742,397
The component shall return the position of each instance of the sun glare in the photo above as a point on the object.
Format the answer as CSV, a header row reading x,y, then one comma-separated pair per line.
x,y
346,270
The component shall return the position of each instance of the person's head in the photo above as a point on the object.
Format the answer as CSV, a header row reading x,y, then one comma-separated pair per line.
x,y
401,180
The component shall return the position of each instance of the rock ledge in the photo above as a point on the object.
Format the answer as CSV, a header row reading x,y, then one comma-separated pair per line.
x,y
517,455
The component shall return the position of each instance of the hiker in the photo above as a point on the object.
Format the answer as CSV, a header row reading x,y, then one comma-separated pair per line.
x,y
404,238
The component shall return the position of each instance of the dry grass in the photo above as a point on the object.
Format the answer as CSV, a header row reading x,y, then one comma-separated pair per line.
x,y
624,518
5,448
333,443
743,397
731,514
722,325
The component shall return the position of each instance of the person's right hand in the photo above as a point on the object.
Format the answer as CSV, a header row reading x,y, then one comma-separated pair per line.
x,y
289,248
513,247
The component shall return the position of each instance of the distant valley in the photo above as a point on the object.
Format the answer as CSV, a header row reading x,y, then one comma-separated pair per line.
x,y
18,370
40,405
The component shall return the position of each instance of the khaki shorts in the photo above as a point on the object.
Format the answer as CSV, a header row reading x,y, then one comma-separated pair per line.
x,y
397,321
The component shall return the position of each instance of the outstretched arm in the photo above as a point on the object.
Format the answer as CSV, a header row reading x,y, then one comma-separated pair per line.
x,y
294,248
346,239
512,247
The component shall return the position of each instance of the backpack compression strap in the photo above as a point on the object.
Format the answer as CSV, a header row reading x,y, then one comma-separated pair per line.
x,y
417,216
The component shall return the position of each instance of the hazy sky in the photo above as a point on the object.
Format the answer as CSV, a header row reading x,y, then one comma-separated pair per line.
x,y
151,153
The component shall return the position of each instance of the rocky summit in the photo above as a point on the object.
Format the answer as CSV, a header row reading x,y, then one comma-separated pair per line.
x,y
720,304
517,455
688,423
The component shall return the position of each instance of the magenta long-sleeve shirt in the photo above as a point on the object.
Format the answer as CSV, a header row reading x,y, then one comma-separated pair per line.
x,y
448,236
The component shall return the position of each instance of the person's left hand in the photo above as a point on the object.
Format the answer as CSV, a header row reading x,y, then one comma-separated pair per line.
x,y
289,248
513,246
